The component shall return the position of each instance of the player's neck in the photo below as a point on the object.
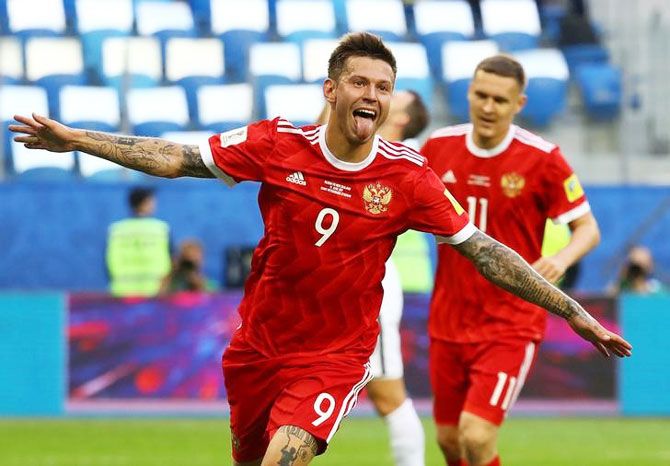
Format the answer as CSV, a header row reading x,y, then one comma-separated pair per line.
x,y
345,150
487,143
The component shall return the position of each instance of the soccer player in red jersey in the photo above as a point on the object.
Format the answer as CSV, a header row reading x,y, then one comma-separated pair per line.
x,y
484,339
333,199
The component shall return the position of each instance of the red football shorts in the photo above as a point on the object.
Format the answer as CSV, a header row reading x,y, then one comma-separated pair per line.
x,y
482,378
313,393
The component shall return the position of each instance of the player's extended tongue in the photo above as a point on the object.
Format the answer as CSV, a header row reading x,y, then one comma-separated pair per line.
x,y
364,127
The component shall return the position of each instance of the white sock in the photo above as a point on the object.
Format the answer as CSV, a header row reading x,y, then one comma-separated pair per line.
x,y
407,437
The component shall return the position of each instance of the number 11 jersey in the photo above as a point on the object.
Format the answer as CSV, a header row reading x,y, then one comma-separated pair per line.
x,y
315,281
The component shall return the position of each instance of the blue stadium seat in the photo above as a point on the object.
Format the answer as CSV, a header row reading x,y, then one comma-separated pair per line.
x,y
4,23
164,20
315,54
459,61
96,21
513,24
273,63
601,89
239,23
76,109
24,22
413,71
202,16
547,76
225,107
581,54
301,20
153,111
386,19
194,62
437,22
131,62
11,61
43,69
301,104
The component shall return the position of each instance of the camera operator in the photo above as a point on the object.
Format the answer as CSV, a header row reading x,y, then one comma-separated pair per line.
x,y
187,272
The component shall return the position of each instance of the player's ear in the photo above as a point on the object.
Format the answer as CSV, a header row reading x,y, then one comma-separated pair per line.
x,y
329,90
521,102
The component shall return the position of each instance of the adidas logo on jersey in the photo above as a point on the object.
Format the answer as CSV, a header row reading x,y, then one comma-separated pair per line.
x,y
297,178
449,177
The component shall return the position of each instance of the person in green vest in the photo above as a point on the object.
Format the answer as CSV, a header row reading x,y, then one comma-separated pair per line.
x,y
138,249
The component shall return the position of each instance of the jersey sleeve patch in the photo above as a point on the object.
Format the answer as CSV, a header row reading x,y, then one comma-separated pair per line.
x,y
233,137
573,188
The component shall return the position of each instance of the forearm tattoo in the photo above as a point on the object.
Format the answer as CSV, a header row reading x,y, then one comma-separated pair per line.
x,y
149,155
300,446
507,269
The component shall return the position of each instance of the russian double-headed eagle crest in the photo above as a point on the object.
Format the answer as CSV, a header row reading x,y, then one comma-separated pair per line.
x,y
376,198
512,184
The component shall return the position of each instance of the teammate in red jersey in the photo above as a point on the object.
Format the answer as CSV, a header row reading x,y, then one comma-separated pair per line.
x,y
484,339
333,199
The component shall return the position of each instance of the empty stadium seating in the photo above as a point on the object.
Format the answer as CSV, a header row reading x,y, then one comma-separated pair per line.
x,y
192,52
547,79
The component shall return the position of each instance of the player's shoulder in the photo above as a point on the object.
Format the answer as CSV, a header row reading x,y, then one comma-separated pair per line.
x,y
454,131
532,141
400,153
286,128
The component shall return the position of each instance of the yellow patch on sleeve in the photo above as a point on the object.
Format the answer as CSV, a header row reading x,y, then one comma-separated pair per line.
x,y
457,207
573,188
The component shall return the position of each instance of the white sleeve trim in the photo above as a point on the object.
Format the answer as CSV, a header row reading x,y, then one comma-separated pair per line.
x,y
208,159
466,232
573,214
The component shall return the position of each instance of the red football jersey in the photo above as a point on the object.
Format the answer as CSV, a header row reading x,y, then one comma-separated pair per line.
x,y
509,192
315,281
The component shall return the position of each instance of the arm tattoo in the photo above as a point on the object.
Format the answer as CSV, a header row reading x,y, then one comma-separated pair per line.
x,y
507,269
300,446
149,155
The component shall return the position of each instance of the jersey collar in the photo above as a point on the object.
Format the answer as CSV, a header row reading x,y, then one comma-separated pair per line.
x,y
488,153
346,166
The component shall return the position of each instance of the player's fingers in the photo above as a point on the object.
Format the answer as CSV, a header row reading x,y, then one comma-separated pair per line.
x,y
21,129
27,121
27,139
621,346
600,347
41,119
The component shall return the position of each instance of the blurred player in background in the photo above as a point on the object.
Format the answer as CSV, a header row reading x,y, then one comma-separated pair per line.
x,y
333,200
138,248
483,339
407,118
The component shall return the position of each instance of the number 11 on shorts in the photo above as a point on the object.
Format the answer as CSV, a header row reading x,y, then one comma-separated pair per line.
x,y
498,391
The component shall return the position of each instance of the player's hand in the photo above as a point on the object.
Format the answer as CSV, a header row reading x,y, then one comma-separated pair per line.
x,y
550,268
605,341
41,132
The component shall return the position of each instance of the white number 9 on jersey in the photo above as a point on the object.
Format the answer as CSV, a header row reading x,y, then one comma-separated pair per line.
x,y
326,232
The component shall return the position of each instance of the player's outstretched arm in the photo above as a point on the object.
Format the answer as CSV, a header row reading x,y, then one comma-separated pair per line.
x,y
149,155
507,269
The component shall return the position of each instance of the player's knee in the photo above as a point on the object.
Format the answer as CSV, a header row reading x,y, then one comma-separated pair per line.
x,y
447,439
386,395
476,438
385,402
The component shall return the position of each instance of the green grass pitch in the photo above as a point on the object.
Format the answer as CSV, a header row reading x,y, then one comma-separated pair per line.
x,y
361,441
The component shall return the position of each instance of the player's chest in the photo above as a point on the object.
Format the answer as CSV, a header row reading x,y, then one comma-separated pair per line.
x,y
354,205
492,189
